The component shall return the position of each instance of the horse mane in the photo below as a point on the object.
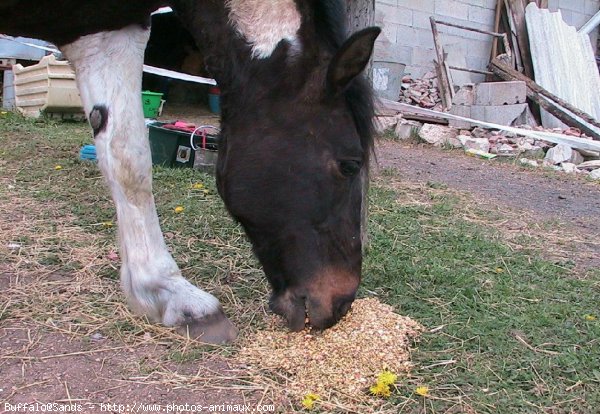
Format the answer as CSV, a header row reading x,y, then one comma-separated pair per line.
x,y
331,28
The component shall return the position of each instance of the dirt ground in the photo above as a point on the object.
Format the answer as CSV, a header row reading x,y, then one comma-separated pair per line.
x,y
567,202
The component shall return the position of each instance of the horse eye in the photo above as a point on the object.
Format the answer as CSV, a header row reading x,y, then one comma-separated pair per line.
x,y
349,168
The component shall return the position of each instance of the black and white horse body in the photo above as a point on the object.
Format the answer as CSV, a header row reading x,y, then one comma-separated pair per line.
x,y
290,93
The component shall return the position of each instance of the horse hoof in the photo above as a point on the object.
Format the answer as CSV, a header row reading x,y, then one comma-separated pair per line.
x,y
215,328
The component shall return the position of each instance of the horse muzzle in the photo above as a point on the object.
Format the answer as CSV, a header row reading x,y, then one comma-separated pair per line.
x,y
320,304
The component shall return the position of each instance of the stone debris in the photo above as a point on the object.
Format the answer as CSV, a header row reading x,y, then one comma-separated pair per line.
x,y
469,142
423,92
562,153
592,155
406,129
589,165
496,102
531,163
569,167
532,152
440,135
384,123
595,174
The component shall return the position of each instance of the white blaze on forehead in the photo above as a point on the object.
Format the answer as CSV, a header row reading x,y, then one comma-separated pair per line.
x,y
265,23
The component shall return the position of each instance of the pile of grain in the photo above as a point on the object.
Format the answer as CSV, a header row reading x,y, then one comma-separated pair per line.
x,y
341,361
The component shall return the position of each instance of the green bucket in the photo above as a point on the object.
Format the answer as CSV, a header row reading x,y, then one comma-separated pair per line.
x,y
151,103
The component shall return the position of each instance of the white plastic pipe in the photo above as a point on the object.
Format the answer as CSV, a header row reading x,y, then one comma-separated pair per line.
x,y
591,24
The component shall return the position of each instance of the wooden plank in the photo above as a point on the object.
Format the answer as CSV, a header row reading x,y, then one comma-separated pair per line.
x,y
499,5
494,53
444,82
517,9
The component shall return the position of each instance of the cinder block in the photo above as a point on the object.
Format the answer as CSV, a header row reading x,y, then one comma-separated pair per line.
x,y
451,9
427,6
481,15
498,114
389,32
464,96
591,7
574,5
460,110
422,57
500,93
390,52
421,20
385,13
407,36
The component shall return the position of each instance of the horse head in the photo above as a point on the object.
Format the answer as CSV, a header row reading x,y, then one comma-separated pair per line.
x,y
295,146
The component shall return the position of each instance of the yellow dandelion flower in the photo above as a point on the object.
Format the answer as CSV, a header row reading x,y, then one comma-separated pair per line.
x,y
590,318
179,209
499,270
107,224
3,113
58,167
386,377
381,390
423,391
308,402
205,191
198,186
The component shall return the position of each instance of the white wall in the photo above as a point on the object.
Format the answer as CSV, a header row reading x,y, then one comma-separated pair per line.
x,y
407,37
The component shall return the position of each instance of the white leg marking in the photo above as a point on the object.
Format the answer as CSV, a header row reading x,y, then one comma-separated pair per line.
x,y
109,73
265,23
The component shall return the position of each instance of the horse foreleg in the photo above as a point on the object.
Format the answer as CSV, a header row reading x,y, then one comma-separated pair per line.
x,y
108,66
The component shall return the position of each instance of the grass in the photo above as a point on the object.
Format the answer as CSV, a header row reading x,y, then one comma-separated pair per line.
x,y
510,332
511,329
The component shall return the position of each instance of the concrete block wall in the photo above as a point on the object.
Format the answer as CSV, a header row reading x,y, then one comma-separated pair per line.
x,y
407,37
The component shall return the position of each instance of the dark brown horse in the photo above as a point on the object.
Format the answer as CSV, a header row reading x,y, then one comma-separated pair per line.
x,y
296,141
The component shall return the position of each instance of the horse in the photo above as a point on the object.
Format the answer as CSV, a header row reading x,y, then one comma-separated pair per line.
x,y
293,162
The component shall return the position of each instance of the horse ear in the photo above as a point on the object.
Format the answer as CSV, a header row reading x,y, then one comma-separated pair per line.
x,y
351,59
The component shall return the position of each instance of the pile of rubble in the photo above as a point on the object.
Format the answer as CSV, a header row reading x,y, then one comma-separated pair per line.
x,y
423,92
493,143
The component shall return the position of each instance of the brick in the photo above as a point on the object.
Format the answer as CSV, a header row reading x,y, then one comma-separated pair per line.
x,y
502,114
500,93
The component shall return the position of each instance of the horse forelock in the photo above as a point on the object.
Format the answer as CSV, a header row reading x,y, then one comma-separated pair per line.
x,y
263,24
